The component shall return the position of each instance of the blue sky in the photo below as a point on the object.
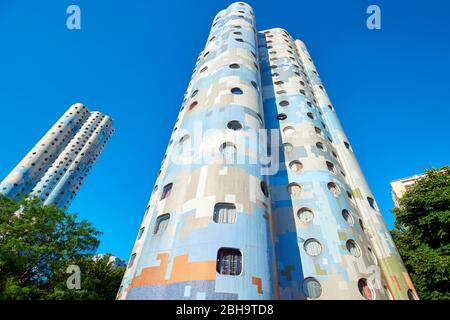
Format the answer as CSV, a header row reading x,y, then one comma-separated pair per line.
x,y
133,60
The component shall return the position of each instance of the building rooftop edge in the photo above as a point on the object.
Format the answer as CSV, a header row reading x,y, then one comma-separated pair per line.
x,y
409,177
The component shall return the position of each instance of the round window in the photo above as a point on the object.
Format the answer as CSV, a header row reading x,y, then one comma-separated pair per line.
x,y
312,288
312,247
320,146
237,91
353,248
334,189
234,125
264,188
295,166
348,217
365,290
287,147
289,131
294,190
305,215
412,295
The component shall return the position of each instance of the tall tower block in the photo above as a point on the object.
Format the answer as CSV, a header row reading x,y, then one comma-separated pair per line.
x,y
59,163
204,211
260,195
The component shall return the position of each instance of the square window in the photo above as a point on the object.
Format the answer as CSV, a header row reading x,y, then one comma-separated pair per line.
x,y
229,261
224,213
161,223
166,191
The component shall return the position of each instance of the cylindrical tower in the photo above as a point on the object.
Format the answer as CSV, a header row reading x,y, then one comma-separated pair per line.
x,y
227,221
397,283
206,231
65,176
31,169
321,252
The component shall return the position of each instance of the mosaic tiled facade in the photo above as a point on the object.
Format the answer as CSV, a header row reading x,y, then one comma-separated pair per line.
x,y
56,167
308,228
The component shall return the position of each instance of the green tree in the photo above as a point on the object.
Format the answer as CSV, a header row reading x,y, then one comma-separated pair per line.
x,y
421,233
100,280
38,243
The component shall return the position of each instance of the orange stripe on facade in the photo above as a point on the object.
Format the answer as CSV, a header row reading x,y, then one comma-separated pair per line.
x,y
275,281
182,270
397,285
258,282
408,280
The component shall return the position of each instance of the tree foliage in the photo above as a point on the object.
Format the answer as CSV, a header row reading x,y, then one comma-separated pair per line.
x,y
421,233
100,280
38,243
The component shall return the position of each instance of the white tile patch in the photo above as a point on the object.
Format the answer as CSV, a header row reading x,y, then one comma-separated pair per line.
x,y
189,205
342,285
251,121
223,171
251,190
230,198
204,207
201,295
187,291
202,181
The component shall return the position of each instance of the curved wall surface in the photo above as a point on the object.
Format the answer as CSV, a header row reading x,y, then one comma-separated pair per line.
x,y
310,192
258,196
31,169
63,179
395,277
56,167
217,208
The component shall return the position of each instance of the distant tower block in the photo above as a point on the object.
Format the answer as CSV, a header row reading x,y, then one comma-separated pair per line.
x,y
234,230
55,168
